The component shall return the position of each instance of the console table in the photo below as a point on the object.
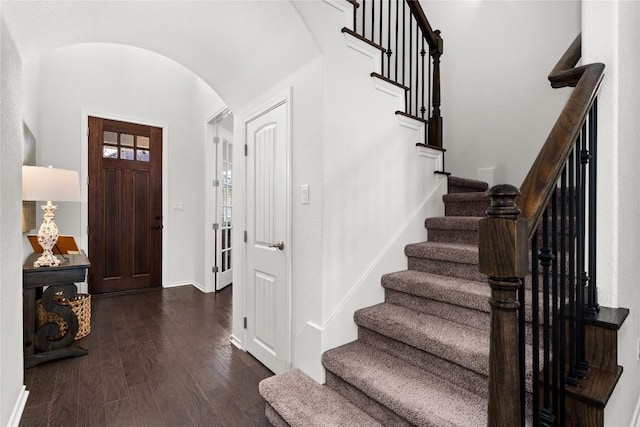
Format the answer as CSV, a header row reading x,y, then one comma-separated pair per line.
x,y
38,348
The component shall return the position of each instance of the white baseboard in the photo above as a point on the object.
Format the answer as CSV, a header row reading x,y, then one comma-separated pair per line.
x,y
236,342
199,286
308,352
18,408
635,421
178,284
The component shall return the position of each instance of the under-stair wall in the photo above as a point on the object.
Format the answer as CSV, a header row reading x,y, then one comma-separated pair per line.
x,y
376,184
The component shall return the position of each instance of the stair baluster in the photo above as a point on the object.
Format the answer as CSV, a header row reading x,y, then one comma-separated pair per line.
x,y
405,49
564,380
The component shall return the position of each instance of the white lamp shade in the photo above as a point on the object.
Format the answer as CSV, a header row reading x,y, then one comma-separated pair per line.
x,y
50,184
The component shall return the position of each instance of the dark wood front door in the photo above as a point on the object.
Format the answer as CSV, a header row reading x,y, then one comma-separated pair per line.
x,y
125,206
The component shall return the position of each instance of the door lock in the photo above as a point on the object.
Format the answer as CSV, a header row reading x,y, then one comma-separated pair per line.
x,y
279,245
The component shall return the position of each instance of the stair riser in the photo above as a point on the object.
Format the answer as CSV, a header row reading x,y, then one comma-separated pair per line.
x,y
469,237
465,208
465,185
453,313
447,268
462,377
461,271
380,412
460,189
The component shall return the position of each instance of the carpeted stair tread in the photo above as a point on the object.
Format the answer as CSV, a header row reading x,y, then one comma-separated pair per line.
x,y
300,401
470,223
453,252
453,291
419,397
463,185
465,293
464,345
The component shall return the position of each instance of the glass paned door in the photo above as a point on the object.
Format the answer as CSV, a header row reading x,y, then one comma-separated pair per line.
x,y
224,212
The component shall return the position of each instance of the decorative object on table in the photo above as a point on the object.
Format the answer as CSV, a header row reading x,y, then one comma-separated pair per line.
x,y
81,307
40,184
65,245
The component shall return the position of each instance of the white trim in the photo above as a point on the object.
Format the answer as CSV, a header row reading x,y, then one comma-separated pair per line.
x,y
219,116
179,284
284,97
237,342
635,420
18,408
209,202
366,49
391,89
433,154
414,124
429,152
84,173
211,131
199,287
346,8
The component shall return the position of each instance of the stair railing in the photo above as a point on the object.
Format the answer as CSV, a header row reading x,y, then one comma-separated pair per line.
x,y
537,245
400,29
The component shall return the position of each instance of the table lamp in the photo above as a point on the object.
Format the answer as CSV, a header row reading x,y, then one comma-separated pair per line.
x,y
48,183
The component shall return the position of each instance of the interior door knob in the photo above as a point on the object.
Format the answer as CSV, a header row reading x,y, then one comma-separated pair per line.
x,y
279,245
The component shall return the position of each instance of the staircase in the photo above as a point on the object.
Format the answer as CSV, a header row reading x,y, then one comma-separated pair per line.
x,y
421,357
531,347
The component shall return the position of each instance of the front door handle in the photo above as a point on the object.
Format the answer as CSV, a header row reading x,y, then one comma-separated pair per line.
x,y
157,227
279,245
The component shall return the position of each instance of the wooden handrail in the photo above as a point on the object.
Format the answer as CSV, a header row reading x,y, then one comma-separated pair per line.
x,y
541,180
432,37
512,221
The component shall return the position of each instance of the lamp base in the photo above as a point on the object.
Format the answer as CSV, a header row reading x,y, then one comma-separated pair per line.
x,y
48,237
47,260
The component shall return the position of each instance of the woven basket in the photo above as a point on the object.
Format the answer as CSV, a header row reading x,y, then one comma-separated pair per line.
x,y
80,305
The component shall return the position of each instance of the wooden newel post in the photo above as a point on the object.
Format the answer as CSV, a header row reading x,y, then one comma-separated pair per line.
x,y
503,240
435,121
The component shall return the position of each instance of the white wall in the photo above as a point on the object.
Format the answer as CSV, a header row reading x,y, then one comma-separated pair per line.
x,y
612,36
374,185
131,84
11,365
238,47
497,104
306,144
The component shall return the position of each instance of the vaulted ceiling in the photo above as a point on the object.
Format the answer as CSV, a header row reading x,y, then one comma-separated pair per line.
x,y
239,48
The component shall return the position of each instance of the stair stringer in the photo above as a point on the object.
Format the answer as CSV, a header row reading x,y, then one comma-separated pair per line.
x,y
339,328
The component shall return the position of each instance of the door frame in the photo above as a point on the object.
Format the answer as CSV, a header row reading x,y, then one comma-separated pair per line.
x,y
240,262
84,173
210,214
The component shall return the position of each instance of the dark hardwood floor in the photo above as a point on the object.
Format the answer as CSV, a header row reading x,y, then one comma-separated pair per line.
x,y
159,358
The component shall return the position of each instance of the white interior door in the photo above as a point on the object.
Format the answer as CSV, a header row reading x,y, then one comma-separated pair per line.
x,y
268,252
